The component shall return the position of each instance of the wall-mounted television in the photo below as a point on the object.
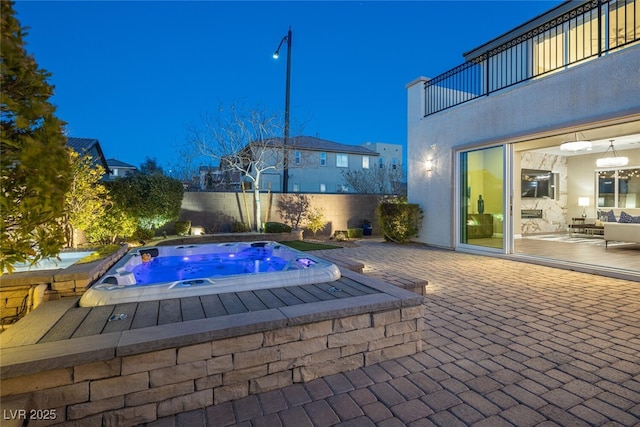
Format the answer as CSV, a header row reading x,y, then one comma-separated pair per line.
x,y
538,184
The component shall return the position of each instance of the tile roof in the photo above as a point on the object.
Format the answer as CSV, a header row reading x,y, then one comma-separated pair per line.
x,y
115,163
86,146
318,144
82,144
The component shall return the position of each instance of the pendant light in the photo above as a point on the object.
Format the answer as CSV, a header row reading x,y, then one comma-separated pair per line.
x,y
612,160
577,143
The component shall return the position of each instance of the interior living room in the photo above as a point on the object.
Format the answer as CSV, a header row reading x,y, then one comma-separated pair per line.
x,y
579,197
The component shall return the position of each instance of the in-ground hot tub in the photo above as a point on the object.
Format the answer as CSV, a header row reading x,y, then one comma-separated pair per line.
x,y
163,272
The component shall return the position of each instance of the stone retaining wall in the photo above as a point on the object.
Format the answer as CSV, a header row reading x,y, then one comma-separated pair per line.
x,y
143,387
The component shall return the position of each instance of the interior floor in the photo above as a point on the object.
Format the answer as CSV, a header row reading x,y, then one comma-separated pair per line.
x,y
588,250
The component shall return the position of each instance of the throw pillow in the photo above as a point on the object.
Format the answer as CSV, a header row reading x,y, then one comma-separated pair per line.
x,y
611,217
625,218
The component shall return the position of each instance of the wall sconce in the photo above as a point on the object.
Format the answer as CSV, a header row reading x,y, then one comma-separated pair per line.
x,y
428,165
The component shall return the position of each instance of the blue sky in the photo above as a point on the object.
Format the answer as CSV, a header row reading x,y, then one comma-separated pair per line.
x,y
136,75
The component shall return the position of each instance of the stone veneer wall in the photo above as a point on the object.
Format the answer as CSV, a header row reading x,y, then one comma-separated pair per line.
x,y
554,211
143,387
18,290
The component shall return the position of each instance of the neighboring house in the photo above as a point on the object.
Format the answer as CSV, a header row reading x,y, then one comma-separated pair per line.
x,y
91,147
316,165
389,155
119,169
498,126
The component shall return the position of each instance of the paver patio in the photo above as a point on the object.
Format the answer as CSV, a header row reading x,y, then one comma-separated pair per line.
x,y
506,344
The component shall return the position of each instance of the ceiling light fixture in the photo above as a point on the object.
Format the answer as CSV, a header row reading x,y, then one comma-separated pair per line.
x,y
612,161
578,143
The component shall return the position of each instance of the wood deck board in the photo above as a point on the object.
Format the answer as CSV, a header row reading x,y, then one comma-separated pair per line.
x,y
129,310
94,322
67,325
251,301
232,303
31,329
321,292
212,306
88,321
286,297
191,308
169,311
146,315
269,298
366,290
302,294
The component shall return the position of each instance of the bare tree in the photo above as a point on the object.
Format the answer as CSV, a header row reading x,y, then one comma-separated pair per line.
x,y
241,140
376,180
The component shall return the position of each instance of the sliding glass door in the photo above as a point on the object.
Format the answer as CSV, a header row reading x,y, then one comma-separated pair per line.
x,y
481,197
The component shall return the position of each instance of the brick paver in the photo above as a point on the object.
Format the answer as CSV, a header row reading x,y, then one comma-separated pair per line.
x,y
505,344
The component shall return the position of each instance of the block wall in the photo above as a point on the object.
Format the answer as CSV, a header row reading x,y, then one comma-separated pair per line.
x,y
135,389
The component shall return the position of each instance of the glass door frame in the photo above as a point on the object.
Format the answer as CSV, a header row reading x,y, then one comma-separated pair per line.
x,y
507,207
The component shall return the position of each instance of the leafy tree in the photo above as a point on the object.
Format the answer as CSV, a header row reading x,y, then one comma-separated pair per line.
x,y
116,224
34,159
151,167
153,200
87,199
243,141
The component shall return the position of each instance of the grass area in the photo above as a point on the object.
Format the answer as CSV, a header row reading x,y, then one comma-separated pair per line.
x,y
100,253
308,246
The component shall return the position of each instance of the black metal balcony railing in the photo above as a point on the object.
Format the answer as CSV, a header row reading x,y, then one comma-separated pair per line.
x,y
589,30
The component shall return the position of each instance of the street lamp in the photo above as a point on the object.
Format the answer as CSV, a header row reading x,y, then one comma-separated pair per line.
x,y
285,177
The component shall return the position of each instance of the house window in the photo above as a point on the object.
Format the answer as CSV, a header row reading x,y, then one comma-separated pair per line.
x,y
342,160
297,157
394,163
365,162
296,187
619,188
342,188
323,159
381,163
323,188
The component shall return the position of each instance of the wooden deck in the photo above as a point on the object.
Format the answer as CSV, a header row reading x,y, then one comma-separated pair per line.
x,y
79,322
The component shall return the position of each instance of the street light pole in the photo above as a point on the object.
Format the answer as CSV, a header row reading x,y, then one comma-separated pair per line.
x,y
285,163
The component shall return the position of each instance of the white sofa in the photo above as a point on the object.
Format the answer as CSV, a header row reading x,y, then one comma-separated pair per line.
x,y
621,232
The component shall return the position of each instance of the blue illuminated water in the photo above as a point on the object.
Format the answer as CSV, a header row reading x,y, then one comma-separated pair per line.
x,y
173,268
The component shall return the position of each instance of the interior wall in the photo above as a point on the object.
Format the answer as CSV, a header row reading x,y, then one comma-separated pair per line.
x,y
554,211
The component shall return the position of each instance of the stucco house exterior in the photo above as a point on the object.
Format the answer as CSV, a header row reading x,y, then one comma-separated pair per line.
x,y
488,141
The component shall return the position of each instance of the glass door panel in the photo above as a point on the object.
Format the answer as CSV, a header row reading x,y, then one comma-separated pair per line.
x,y
481,197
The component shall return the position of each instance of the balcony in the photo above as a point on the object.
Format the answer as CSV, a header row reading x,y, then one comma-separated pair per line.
x,y
557,40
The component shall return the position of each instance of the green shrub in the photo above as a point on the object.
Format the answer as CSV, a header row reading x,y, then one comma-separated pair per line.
x,y
239,227
276,227
182,227
399,221
316,220
354,233
340,235
143,234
